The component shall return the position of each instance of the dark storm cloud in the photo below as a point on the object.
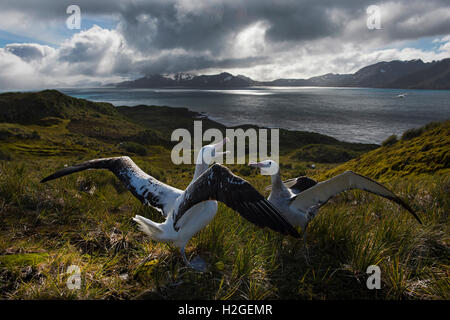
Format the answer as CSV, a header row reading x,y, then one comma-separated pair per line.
x,y
177,35
165,24
173,63
414,24
208,26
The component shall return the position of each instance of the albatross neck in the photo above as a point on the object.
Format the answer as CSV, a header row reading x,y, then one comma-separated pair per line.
x,y
277,183
199,169
200,165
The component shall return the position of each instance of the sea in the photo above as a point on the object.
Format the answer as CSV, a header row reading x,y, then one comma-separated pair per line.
x,y
363,115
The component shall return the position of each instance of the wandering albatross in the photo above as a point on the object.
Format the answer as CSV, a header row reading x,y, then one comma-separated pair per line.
x,y
300,198
188,211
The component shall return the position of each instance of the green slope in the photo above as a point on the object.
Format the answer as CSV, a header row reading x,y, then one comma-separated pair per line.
x,y
423,150
31,107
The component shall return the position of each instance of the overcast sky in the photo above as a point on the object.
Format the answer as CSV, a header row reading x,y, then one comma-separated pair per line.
x,y
262,39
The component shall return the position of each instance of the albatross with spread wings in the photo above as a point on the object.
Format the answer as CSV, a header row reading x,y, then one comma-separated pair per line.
x,y
185,211
300,198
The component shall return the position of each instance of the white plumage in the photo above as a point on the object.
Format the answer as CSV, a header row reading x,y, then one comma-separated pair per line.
x,y
300,207
189,211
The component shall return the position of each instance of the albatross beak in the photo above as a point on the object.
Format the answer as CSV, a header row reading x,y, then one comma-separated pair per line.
x,y
255,164
217,156
266,167
220,144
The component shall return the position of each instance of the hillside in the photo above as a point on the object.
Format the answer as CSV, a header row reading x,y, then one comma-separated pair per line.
x,y
413,74
53,124
423,150
33,107
437,76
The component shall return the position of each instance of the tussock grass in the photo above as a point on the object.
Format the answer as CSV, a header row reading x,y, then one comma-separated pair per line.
x,y
426,150
64,223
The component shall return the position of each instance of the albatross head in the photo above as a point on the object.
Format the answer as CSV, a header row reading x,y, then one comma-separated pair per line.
x,y
267,167
210,153
207,155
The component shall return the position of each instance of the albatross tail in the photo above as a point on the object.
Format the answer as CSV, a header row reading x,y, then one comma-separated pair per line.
x,y
149,227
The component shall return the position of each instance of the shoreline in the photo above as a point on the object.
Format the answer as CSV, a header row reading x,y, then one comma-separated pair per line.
x,y
348,131
370,124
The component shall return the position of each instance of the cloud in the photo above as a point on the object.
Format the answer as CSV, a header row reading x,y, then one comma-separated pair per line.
x,y
96,51
92,56
264,39
96,55
15,72
29,51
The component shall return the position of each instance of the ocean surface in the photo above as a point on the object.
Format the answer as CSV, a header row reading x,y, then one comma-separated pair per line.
x,y
348,114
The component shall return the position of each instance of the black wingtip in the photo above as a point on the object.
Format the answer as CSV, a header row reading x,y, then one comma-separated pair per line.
x,y
417,218
408,208
48,178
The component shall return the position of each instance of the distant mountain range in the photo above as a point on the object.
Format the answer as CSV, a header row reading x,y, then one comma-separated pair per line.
x,y
223,80
413,74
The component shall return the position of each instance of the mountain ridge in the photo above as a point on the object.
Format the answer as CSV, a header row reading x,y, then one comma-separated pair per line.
x,y
411,74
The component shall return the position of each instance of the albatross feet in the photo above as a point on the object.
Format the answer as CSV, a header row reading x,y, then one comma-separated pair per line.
x,y
198,264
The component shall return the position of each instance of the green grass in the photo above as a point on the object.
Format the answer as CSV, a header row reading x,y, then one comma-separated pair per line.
x,y
95,232
423,152
85,220
323,153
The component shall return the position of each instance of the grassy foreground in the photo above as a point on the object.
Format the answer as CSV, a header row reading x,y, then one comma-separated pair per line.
x,y
85,219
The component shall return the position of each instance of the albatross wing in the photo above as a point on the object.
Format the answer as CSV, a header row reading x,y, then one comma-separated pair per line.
x,y
143,186
323,191
218,183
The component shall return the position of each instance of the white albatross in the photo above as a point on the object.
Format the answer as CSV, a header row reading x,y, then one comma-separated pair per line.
x,y
188,211
300,198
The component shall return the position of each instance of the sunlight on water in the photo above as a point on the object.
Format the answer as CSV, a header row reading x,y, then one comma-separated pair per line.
x,y
349,114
